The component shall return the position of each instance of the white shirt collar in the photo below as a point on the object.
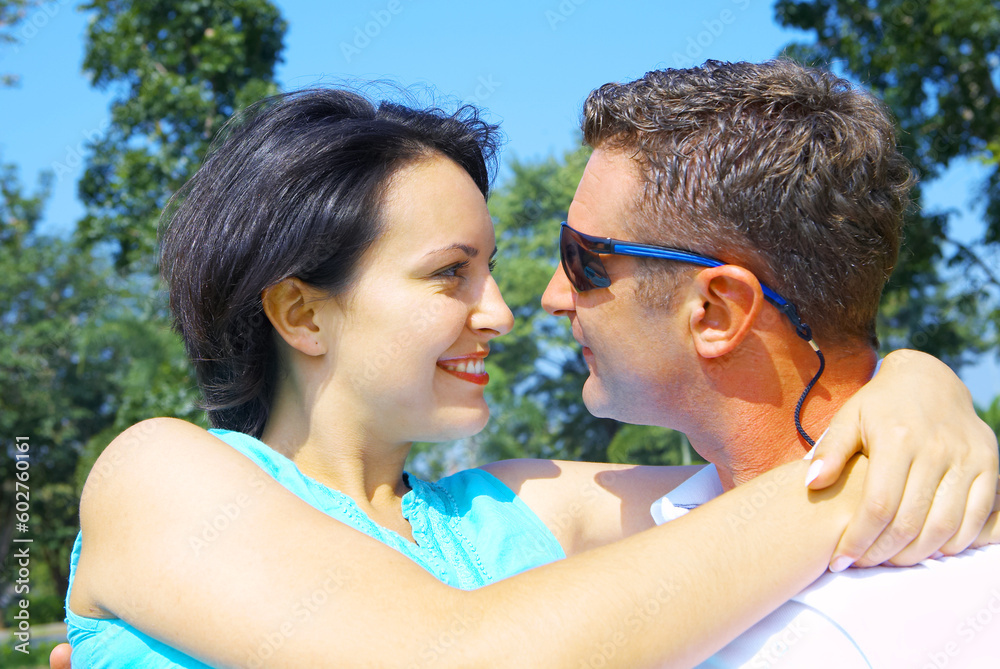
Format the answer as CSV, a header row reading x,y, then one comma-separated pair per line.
x,y
703,486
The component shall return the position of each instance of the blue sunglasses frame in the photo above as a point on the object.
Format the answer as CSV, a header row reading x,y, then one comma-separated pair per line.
x,y
595,275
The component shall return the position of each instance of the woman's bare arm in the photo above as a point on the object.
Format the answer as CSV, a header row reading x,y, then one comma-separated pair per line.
x,y
280,578
932,485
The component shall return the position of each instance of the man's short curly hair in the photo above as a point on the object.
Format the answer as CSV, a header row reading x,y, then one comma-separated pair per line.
x,y
789,171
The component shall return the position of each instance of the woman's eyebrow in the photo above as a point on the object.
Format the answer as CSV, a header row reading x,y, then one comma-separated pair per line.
x,y
470,251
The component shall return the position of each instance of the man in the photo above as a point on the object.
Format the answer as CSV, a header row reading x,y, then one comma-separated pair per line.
x,y
762,207
609,392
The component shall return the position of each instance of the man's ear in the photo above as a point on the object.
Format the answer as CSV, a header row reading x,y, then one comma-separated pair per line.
x,y
729,300
293,308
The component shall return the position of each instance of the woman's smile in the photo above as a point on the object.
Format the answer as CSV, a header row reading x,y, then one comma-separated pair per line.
x,y
470,368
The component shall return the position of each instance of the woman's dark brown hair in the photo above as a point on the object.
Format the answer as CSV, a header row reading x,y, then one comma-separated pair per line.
x,y
294,187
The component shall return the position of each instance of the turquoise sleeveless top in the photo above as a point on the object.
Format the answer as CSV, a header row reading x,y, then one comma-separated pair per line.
x,y
470,530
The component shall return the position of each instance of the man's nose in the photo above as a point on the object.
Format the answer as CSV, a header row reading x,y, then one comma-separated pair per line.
x,y
559,299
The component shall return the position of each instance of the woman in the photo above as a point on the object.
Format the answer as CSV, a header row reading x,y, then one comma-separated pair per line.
x,y
329,270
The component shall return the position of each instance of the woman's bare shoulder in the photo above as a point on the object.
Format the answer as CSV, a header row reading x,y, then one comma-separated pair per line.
x,y
141,476
142,450
222,537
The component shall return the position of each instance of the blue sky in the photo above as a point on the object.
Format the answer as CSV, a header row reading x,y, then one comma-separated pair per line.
x,y
530,63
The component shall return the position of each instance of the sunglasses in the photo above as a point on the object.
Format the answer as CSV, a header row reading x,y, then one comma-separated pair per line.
x,y
580,255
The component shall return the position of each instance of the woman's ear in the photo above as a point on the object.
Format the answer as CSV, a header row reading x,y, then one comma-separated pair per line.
x,y
293,308
729,300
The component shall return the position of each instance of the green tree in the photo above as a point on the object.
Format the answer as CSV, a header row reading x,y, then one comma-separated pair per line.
x,y
181,69
537,376
13,14
935,64
991,415
74,344
88,350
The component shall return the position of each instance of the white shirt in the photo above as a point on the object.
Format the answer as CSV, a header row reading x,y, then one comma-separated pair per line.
x,y
939,614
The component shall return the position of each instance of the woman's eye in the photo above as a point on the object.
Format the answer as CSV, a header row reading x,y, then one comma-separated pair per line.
x,y
493,264
453,270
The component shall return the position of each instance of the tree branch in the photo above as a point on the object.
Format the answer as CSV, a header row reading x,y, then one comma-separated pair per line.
x,y
976,260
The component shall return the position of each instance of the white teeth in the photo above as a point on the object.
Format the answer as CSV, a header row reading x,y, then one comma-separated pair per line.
x,y
476,366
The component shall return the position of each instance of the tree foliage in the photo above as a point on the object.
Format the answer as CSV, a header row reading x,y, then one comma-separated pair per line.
x,y
936,64
180,69
14,13
991,415
79,361
87,350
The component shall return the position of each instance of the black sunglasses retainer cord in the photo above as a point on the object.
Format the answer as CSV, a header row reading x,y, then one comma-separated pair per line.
x,y
805,332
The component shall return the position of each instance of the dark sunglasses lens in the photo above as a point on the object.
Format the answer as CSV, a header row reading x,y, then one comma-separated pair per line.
x,y
584,269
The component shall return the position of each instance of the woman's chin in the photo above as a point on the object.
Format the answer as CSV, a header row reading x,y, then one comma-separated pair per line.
x,y
460,424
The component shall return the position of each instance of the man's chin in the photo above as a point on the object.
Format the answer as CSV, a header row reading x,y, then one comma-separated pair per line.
x,y
622,408
596,400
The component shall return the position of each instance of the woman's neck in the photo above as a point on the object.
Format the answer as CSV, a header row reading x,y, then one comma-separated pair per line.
x,y
333,447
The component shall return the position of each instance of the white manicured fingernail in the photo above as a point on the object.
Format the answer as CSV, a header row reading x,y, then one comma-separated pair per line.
x,y
841,563
814,469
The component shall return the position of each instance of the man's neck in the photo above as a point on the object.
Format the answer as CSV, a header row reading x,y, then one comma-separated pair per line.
x,y
749,434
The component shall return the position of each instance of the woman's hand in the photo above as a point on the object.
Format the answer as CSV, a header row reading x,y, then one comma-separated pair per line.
x,y
932,481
